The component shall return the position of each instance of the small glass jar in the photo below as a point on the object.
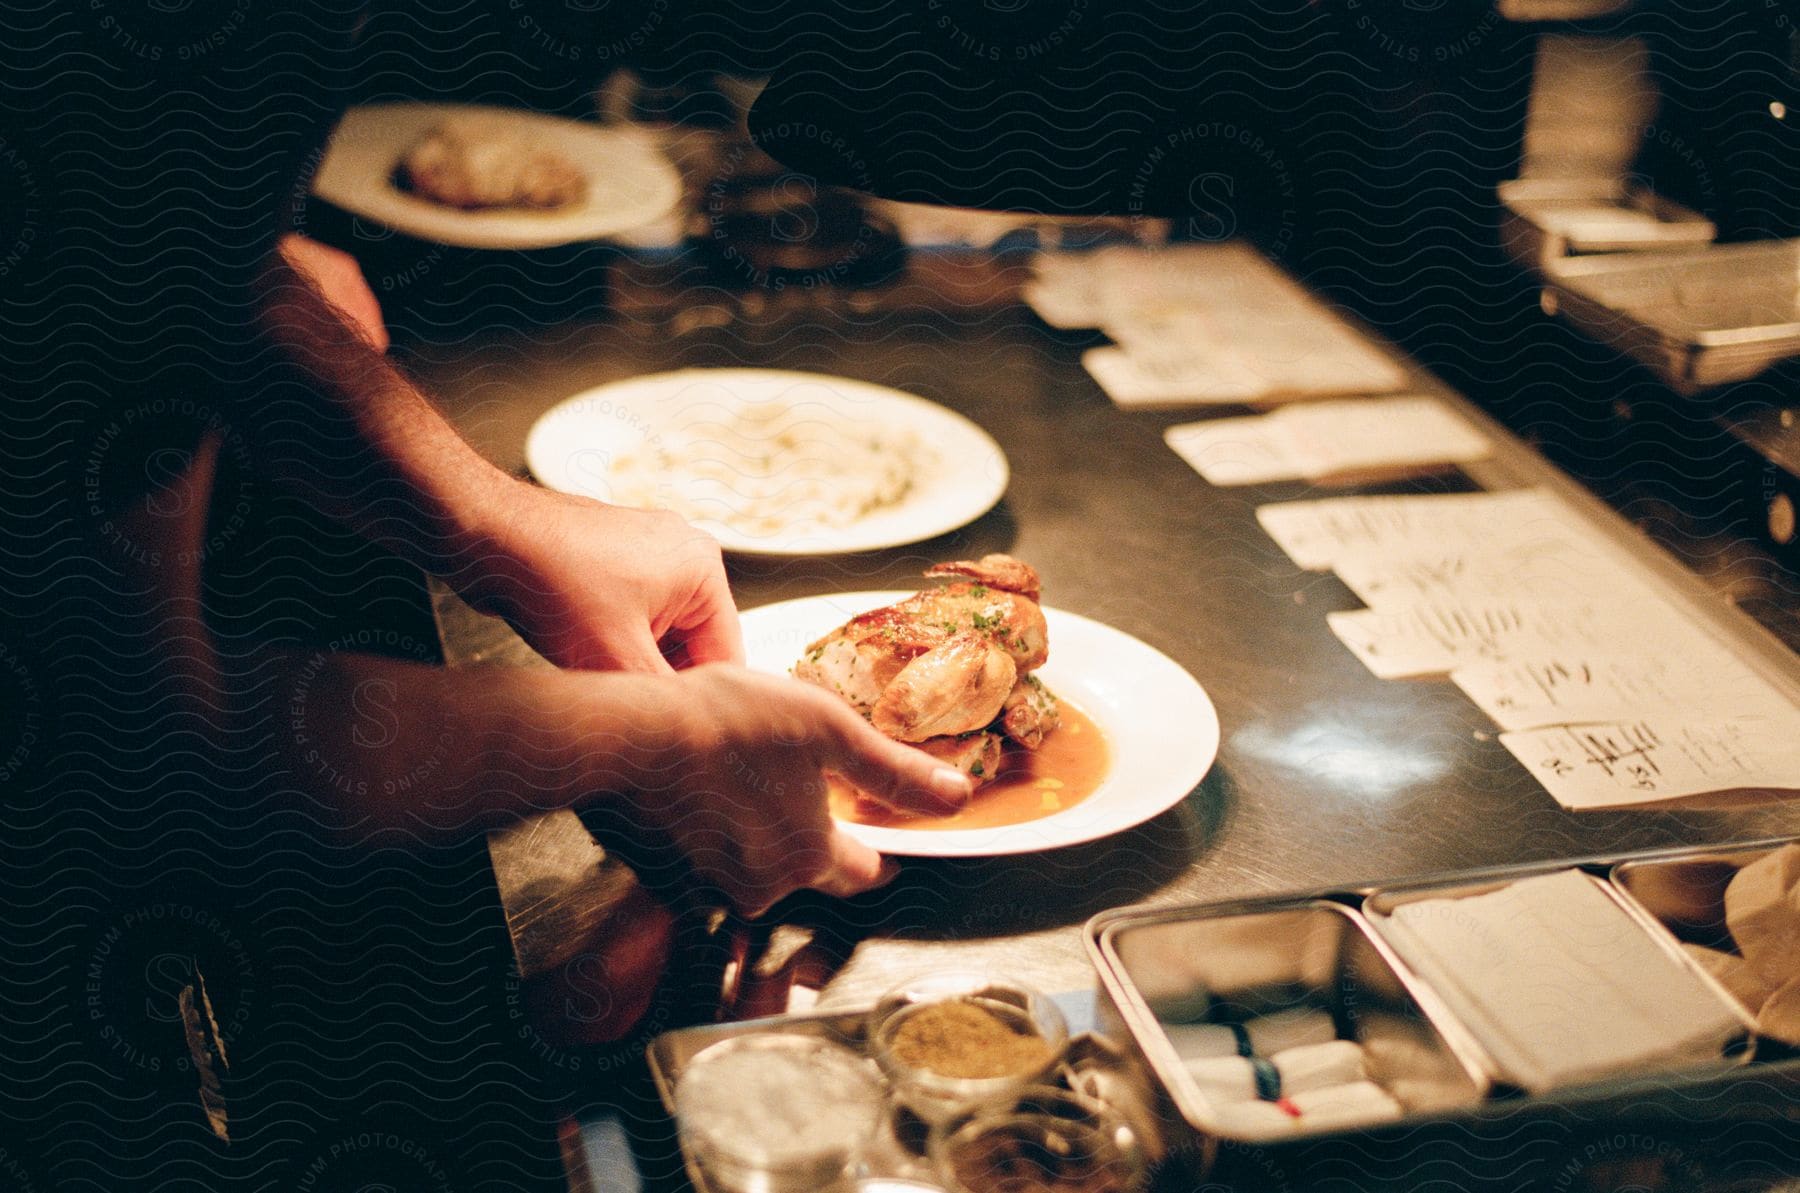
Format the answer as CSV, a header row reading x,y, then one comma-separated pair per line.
x,y
778,1113
934,1095
1048,1141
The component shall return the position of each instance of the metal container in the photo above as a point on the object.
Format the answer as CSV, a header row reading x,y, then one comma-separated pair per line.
x,y
1684,893
1318,952
1096,1069
1697,319
1326,946
1681,898
1478,1118
1543,221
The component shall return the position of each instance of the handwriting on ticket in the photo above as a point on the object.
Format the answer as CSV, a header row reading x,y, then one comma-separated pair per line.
x,y
1688,674
1643,759
1321,441
1318,534
1434,637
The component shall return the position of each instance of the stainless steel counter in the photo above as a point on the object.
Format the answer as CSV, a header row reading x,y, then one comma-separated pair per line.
x,y
1326,774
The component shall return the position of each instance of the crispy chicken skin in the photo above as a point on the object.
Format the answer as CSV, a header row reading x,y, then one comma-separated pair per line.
x,y
996,571
946,662
1029,712
955,687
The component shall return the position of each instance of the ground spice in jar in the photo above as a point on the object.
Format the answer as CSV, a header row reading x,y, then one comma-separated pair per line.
x,y
962,1039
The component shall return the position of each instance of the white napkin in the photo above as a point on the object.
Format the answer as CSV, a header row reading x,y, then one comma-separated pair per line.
x,y
1268,1034
1560,984
1762,909
1225,1079
1357,1104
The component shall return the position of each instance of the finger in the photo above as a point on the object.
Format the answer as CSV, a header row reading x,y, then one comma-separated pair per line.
x,y
633,651
899,776
711,633
853,867
718,639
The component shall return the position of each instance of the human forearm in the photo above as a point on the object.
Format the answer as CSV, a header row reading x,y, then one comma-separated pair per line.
x,y
728,765
363,444
443,753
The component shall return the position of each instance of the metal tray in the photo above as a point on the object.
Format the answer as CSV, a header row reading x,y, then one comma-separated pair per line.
x,y
1328,945
1685,894
1759,1091
1100,1068
1539,225
1682,899
1699,319
1321,951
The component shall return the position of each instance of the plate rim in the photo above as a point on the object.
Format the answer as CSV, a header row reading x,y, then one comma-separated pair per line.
x,y
735,544
464,229
934,842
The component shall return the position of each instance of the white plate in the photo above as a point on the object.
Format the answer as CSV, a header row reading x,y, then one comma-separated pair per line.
x,y
961,474
629,181
1158,721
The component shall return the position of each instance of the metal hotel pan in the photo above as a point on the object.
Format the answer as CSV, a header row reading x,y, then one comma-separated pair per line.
x,y
1755,1093
1682,899
1699,319
1535,238
1314,950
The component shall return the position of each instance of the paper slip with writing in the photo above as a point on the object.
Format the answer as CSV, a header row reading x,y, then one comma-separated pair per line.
x,y
1317,534
1435,637
1122,284
1660,756
1204,323
1294,346
1577,567
1359,437
1197,375
1690,675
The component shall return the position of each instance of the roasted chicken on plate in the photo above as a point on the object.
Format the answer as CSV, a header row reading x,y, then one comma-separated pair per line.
x,y
949,668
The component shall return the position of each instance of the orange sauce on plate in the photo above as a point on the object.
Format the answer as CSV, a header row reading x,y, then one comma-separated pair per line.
x,y
1032,784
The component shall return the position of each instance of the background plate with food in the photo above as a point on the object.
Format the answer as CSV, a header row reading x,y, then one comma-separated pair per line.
x,y
494,178
1129,733
772,462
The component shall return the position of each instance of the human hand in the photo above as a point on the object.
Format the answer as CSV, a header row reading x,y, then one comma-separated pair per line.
x,y
599,586
739,785
340,280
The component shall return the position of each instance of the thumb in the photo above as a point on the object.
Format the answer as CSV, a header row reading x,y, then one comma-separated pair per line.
x,y
853,867
901,777
709,630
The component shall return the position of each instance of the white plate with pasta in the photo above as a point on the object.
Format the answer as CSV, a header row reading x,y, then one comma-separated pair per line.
x,y
772,462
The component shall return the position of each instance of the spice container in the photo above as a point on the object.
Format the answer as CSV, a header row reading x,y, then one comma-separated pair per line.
x,y
778,1113
953,1041
1048,1141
